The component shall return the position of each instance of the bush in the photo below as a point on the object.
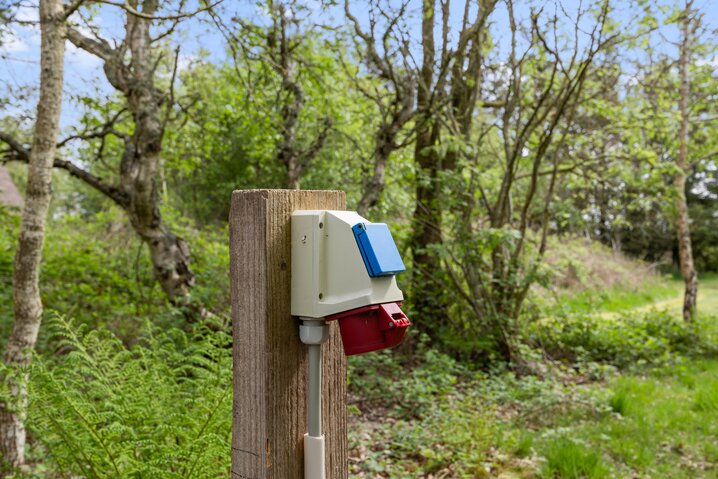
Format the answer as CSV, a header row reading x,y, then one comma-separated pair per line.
x,y
9,230
97,270
160,409
655,337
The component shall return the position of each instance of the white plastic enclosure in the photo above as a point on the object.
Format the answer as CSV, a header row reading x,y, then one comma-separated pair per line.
x,y
328,273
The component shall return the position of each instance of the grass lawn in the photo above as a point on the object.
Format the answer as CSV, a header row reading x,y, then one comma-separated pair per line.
x,y
661,293
707,297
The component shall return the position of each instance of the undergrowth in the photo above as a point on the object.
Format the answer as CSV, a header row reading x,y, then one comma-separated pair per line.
x,y
160,409
422,420
630,339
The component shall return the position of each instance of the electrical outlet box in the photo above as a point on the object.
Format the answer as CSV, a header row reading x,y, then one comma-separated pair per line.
x,y
332,272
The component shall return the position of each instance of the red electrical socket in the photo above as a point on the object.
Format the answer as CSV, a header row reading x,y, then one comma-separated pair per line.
x,y
371,328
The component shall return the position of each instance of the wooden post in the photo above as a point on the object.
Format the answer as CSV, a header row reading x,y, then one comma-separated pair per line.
x,y
270,362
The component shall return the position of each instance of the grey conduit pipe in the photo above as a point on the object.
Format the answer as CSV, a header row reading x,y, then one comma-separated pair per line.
x,y
314,393
313,332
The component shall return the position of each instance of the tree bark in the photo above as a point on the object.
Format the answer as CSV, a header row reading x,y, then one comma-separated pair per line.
x,y
139,193
385,146
26,291
375,186
685,250
141,163
428,304
463,91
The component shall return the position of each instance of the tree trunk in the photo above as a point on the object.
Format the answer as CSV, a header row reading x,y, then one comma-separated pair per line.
x,y
140,170
139,191
26,292
685,250
373,189
428,302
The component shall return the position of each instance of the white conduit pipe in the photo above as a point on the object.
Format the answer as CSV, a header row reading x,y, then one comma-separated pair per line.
x,y
313,333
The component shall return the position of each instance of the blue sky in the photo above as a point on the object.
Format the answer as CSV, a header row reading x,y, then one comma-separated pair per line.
x,y
83,72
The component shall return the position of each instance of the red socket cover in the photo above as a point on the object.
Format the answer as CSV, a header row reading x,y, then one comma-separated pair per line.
x,y
371,328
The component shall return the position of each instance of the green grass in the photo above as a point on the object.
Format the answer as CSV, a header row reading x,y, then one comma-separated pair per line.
x,y
660,293
659,423
620,299
654,425
582,420
569,459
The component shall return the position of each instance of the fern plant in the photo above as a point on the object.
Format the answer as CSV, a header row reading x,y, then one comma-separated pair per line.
x,y
160,409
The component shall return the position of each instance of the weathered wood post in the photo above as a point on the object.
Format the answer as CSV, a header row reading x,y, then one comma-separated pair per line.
x,y
270,362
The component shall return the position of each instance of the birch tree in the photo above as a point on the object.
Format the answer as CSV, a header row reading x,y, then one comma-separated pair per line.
x,y
26,272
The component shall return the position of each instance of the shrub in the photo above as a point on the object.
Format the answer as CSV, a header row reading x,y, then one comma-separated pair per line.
x,y
160,409
654,337
9,230
97,270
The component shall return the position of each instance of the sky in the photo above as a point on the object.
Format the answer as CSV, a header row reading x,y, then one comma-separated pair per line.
x,y
19,52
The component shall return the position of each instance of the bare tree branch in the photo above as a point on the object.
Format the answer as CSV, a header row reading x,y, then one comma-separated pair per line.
x,y
23,155
133,11
98,47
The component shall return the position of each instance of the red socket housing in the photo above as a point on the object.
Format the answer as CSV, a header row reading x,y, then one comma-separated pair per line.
x,y
371,328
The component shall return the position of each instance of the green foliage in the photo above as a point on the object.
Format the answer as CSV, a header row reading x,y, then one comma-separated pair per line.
x,y
655,337
233,136
454,436
569,459
408,390
129,389
96,270
430,425
159,409
9,231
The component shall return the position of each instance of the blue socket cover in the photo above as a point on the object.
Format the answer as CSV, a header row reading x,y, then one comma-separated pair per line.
x,y
378,249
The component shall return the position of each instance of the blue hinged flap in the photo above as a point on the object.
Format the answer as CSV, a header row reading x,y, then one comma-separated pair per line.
x,y
378,249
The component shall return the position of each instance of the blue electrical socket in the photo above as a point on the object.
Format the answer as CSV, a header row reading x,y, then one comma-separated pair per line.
x,y
378,249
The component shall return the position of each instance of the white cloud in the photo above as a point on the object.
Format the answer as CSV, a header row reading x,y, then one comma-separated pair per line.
x,y
185,62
